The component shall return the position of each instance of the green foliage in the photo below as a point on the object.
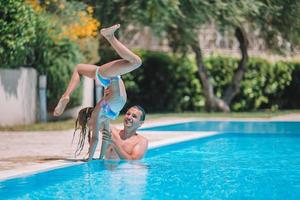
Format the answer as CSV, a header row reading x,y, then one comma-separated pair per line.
x,y
194,15
61,59
262,81
185,23
168,83
289,97
220,71
57,60
280,24
232,14
153,13
164,83
17,31
25,40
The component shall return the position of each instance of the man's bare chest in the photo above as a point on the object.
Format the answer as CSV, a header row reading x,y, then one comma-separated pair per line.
x,y
130,143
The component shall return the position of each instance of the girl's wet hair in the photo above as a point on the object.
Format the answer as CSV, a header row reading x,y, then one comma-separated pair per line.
x,y
81,124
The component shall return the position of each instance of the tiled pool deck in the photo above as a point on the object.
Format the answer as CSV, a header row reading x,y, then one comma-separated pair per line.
x,y
28,152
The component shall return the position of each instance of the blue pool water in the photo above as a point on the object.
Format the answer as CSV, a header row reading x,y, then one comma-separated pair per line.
x,y
232,127
226,166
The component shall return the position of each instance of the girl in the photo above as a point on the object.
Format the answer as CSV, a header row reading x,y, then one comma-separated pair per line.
x,y
108,76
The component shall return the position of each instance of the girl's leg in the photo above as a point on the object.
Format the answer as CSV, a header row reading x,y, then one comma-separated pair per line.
x,y
129,62
80,69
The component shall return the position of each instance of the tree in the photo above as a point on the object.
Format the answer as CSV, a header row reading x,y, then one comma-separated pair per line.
x,y
227,16
136,13
182,19
270,17
234,16
280,25
17,30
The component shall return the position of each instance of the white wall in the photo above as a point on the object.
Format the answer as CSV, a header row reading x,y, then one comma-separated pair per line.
x,y
18,96
88,92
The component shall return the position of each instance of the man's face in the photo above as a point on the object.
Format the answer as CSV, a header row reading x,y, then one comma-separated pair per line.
x,y
132,118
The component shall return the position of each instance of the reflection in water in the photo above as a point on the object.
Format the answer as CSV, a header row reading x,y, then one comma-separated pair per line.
x,y
94,180
127,179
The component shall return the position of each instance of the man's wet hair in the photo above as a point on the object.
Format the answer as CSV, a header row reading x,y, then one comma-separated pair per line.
x,y
143,116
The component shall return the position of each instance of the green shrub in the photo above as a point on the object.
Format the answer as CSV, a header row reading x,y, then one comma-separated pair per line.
x,y
56,59
220,70
164,83
261,82
61,59
168,83
17,31
289,97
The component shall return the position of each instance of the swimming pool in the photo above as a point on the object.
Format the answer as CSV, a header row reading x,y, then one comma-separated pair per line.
x,y
226,166
232,126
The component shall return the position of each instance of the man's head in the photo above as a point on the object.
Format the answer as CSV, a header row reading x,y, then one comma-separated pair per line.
x,y
134,117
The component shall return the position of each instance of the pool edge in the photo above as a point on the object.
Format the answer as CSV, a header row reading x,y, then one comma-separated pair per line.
x,y
42,167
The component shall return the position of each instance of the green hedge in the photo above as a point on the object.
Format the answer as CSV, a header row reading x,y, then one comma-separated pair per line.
x,y
17,31
289,98
164,83
58,64
168,83
262,81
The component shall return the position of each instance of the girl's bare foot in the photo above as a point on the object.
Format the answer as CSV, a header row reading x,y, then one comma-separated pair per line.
x,y
109,32
60,107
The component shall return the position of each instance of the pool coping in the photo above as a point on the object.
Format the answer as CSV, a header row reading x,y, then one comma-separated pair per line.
x,y
52,165
184,138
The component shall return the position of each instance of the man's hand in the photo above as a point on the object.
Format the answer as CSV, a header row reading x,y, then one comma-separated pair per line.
x,y
107,93
106,135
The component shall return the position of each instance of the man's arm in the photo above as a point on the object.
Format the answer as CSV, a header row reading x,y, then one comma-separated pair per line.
x,y
138,150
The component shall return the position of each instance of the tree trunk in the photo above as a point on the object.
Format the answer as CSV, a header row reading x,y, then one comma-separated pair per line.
x,y
234,86
212,103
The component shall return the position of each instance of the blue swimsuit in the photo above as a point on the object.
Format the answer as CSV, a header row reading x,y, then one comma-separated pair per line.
x,y
104,81
105,107
107,111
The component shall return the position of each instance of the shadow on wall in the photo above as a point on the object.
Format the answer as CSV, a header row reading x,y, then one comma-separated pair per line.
x,y
18,96
19,102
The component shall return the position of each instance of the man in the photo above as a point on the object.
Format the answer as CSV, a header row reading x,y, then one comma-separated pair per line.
x,y
125,143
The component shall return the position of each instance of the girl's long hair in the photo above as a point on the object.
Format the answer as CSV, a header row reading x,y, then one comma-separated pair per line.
x,y
81,124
